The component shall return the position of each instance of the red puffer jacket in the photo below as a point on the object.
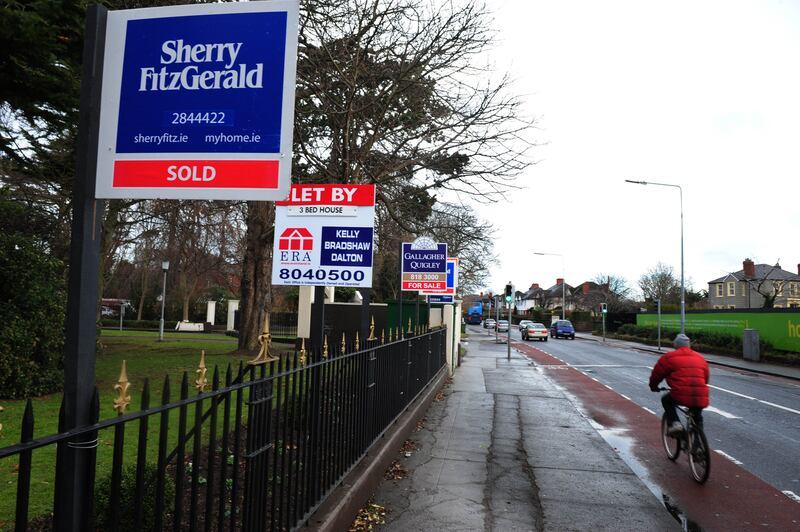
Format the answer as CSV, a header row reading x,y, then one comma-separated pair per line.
x,y
686,372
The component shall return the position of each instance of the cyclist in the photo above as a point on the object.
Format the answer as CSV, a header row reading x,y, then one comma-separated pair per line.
x,y
686,372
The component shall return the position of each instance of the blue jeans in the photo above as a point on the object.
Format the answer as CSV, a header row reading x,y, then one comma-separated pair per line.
x,y
672,415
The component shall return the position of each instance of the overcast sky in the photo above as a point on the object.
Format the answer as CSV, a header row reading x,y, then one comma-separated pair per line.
x,y
701,94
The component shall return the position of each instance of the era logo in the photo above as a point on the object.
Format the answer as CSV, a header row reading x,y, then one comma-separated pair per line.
x,y
296,239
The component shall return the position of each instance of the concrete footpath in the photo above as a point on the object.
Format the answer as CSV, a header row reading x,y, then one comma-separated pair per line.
x,y
504,449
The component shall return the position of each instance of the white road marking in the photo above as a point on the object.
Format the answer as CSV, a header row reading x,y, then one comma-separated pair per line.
x,y
609,387
626,397
645,408
729,457
732,392
792,495
792,410
786,408
722,413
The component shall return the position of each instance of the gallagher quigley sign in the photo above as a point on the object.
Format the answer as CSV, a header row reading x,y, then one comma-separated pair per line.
x,y
198,102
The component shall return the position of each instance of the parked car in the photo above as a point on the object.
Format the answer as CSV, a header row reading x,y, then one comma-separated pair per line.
x,y
535,330
523,324
489,323
562,328
502,326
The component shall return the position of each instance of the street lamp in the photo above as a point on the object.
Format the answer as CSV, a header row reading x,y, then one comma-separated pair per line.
x,y
165,269
563,282
683,288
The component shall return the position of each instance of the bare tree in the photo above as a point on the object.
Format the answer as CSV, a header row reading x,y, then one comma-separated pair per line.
x,y
393,92
659,283
769,289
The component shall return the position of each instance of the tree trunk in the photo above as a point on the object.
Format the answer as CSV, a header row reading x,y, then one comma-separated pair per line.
x,y
145,276
256,288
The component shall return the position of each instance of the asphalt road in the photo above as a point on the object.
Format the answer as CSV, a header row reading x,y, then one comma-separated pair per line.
x,y
753,420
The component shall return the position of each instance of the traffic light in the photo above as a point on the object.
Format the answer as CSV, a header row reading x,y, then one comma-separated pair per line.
x,y
509,295
604,308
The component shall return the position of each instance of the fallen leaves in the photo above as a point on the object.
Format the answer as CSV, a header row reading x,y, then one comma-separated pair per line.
x,y
421,424
439,397
395,472
370,515
409,446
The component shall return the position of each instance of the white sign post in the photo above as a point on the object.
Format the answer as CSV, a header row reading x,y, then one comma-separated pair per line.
x,y
324,236
198,102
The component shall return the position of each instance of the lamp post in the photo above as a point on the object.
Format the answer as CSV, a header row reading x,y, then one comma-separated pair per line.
x,y
563,283
165,269
683,288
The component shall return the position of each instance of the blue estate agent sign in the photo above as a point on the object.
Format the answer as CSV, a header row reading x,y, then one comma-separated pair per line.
x,y
440,299
214,86
424,269
198,101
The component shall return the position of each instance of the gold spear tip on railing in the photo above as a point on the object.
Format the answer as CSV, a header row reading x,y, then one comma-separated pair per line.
x,y
357,341
123,399
383,336
325,347
344,345
302,359
201,382
264,339
409,326
372,337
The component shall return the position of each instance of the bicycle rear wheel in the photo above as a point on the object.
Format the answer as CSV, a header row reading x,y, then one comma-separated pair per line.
x,y
699,456
672,445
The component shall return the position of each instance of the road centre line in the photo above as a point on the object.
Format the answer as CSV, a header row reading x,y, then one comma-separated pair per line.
x,y
645,408
729,457
732,392
792,410
786,408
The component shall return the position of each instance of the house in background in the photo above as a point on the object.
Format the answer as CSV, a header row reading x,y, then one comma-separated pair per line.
x,y
531,299
538,298
750,286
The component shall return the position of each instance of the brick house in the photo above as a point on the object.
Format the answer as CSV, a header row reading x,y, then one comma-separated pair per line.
x,y
741,289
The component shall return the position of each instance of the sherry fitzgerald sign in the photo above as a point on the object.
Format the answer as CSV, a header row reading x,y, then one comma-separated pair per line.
x,y
198,102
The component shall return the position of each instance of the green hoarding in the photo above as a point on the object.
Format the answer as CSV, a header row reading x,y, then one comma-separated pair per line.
x,y
781,329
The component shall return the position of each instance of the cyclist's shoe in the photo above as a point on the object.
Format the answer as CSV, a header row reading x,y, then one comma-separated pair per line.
x,y
675,429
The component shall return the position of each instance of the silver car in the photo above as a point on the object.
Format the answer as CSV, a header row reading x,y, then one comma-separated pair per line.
x,y
502,326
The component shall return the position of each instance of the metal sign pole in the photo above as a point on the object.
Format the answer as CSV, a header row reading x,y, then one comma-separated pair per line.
x,y
604,326
400,288
318,320
74,473
508,342
658,301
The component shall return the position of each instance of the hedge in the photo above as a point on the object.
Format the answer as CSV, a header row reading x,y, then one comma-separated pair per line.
x,y
701,340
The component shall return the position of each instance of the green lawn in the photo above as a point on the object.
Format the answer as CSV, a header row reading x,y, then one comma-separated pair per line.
x,y
146,358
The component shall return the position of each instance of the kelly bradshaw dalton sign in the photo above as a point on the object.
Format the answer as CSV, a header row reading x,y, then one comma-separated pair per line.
x,y
198,102
324,236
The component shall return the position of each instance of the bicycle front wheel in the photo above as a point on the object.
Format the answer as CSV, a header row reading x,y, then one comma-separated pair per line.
x,y
699,456
672,445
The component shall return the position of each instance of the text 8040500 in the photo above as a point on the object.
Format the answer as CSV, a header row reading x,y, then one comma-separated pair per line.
x,y
321,275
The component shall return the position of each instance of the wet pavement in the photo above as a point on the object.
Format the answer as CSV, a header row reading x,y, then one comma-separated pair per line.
x,y
505,449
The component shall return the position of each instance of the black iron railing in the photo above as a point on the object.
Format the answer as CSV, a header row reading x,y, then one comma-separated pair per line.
x,y
259,450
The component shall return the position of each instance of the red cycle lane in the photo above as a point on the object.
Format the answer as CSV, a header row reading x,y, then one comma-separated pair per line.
x,y
731,499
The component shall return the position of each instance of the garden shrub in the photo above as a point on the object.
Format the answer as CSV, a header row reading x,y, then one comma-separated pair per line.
x,y
127,499
32,302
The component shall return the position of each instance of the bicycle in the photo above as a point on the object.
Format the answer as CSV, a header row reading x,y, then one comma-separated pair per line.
x,y
692,440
